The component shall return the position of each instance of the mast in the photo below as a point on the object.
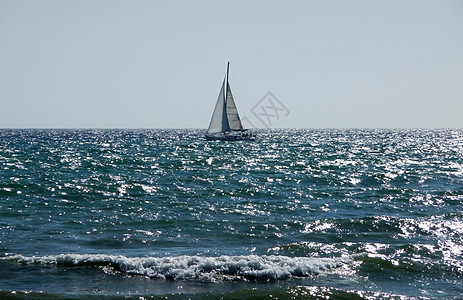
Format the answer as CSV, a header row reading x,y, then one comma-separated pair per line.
x,y
226,91
225,100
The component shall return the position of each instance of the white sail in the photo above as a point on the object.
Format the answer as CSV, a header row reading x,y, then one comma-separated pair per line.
x,y
232,113
219,121
225,123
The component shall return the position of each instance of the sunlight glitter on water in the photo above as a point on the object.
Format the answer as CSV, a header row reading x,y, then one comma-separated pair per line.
x,y
388,200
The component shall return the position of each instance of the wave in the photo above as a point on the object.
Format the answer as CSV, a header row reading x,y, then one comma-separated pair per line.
x,y
244,267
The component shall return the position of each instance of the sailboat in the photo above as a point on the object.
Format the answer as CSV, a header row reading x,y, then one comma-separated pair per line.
x,y
225,123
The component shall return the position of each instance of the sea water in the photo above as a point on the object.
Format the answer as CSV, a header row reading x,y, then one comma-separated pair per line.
x,y
314,214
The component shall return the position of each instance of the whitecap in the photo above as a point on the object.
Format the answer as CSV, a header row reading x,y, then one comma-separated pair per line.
x,y
241,267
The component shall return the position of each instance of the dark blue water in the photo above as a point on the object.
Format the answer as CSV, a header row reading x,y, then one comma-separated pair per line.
x,y
315,214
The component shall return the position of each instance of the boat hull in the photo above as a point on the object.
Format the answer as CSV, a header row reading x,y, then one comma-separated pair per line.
x,y
231,136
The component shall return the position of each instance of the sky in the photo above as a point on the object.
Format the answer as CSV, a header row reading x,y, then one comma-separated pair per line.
x,y
293,64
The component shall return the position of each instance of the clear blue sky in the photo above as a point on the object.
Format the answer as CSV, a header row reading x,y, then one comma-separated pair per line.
x,y
160,64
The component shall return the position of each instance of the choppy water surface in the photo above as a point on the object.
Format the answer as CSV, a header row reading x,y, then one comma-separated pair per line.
x,y
296,214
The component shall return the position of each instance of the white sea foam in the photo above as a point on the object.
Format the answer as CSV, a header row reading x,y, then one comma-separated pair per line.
x,y
197,267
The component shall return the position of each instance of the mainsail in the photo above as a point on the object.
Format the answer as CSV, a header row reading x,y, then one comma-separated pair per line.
x,y
225,117
219,121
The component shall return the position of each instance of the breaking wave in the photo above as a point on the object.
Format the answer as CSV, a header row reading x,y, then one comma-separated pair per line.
x,y
246,267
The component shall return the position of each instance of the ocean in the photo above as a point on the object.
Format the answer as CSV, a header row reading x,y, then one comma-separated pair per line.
x,y
296,214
